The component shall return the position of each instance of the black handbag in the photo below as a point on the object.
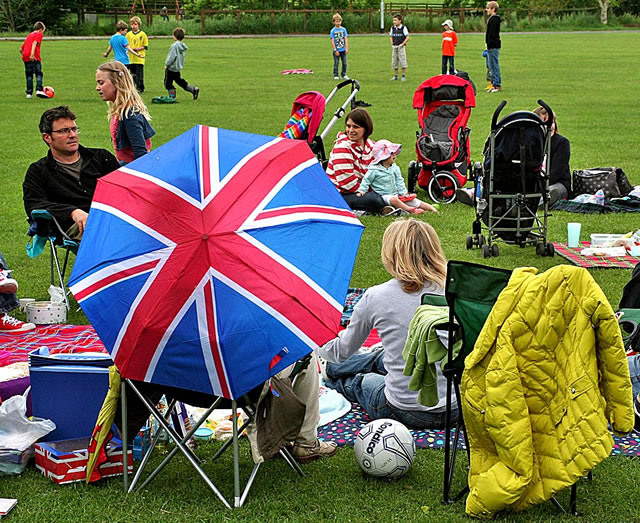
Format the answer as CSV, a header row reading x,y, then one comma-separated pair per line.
x,y
612,180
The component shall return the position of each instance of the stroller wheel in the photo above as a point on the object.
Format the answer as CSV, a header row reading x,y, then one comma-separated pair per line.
x,y
442,187
549,250
481,240
469,242
412,176
495,252
540,249
486,251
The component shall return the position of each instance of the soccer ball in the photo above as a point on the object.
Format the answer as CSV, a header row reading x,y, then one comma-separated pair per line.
x,y
385,448
48,90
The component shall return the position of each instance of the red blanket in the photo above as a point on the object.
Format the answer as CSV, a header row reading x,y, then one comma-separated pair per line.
x,y
57,338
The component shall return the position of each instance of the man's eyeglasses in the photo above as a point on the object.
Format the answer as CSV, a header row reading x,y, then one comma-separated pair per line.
x,y
67,130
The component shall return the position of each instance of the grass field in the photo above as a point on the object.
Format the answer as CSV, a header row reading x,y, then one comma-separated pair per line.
x,y
589,79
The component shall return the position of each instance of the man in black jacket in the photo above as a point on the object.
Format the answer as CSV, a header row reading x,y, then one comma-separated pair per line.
x,y
492,40
63,182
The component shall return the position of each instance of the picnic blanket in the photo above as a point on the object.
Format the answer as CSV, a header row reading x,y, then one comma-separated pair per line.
x,y
593,262
626,204
15,348
343,432
297,71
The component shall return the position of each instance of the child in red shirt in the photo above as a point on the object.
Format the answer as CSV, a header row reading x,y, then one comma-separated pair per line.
x,y
449,42
30,51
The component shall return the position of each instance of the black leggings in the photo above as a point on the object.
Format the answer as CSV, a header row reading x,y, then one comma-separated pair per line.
x,y
174,76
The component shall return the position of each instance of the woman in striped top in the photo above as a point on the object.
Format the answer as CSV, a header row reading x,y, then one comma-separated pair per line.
x,y
349,161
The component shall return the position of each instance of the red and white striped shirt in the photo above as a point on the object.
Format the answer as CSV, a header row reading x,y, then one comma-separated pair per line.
x,y
348,163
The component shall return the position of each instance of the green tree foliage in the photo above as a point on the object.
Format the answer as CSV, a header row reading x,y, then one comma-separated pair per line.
x,y
20,15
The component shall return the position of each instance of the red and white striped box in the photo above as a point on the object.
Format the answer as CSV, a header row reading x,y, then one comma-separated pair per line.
x,y
65,461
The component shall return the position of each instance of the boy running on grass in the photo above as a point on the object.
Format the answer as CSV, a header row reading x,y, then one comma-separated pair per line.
x,y
174,64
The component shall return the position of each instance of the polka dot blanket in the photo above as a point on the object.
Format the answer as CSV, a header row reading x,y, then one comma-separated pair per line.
x,y
344,430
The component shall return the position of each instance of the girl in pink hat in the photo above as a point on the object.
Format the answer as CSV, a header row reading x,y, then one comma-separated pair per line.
x,y
385,178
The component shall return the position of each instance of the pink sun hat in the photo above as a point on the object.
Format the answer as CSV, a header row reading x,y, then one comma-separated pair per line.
x,y
382,149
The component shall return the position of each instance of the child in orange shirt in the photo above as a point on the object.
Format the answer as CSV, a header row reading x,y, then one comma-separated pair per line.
x,y
449,42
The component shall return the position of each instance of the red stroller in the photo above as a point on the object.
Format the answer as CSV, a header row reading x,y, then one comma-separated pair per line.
x,y
444,105
307,113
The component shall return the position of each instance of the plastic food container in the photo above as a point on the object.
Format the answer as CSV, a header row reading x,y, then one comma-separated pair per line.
x,y
46,313
609,240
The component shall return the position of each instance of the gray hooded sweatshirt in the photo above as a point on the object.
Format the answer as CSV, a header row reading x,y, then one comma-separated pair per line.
x,y
175,58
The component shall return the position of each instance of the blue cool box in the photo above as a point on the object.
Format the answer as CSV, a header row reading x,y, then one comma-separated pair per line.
x,y
68,389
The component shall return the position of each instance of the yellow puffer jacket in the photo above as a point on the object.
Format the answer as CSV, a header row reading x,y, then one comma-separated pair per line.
x,y
546,374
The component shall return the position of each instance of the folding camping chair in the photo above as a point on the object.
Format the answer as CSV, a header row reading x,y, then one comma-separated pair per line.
x,y
247,403
471,290
45,228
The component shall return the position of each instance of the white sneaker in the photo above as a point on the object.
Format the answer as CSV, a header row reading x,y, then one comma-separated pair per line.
x,y
7,285
41,94
8,324
345,77
336,78
29,96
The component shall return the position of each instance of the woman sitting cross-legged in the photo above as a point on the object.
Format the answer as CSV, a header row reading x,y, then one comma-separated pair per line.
x,y
412,254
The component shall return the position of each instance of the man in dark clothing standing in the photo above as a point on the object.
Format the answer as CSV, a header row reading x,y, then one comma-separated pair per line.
x,y
492,40
63,182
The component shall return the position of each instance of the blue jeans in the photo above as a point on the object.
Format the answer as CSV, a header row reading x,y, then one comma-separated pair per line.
x,y
634,370
342,56
8,302
31,69
449,60
360,379
494,66
370,201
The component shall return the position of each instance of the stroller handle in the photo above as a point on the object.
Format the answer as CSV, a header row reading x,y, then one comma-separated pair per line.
x,y
496,113
549,121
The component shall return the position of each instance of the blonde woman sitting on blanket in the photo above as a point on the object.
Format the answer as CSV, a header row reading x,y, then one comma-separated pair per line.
x,y
412,254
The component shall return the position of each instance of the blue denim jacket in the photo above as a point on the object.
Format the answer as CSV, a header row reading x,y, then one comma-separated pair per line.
x,y
134,130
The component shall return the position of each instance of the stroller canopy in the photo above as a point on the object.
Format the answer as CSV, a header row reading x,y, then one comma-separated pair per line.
x,y
315,103
444,87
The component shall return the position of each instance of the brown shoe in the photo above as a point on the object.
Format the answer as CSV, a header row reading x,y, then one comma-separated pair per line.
x,y
308,453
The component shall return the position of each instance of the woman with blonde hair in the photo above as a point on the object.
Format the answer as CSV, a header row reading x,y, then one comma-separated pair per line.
x,y
128,116
412,254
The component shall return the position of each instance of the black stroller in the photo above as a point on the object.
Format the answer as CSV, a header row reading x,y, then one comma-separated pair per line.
x,y
512,184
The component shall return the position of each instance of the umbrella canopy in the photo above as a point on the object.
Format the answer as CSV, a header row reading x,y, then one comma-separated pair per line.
x,y
216,260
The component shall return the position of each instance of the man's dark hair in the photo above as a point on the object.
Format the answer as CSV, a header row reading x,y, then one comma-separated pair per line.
x,y
53,114
398,16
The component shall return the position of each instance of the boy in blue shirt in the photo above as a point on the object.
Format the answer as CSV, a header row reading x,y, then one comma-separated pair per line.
x,y
340,44
120,44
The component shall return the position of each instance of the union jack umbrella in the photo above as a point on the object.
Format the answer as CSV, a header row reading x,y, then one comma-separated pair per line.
x,y
216,260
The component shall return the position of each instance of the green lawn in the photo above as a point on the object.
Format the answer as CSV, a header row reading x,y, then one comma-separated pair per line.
x,y
590,79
